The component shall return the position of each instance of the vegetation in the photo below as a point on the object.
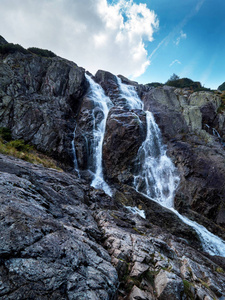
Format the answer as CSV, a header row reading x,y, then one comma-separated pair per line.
x,y
221,108
5,134
177,82
188,289
154,84
222,87
12,48
19,149
41,52
220,270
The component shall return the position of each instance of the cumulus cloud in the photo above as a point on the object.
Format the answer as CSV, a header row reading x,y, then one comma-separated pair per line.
x,y
176,61
93,33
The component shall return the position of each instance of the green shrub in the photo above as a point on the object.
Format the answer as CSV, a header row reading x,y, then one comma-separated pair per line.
x,y
19,149
41,52
185,83
221,108
154,84
5,134
19,145
12,48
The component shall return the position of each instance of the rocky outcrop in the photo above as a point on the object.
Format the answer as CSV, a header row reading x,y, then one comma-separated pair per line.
x,y
124,134
40,98
2,41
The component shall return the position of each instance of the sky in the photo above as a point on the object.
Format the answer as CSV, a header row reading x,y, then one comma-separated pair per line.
x,y
146,41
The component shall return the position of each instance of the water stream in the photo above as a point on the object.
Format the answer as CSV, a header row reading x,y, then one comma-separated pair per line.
x,y
75,163
157,177
102,104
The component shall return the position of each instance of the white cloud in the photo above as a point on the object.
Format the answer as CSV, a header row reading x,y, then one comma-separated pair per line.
x,y
176,61
182,36
92,33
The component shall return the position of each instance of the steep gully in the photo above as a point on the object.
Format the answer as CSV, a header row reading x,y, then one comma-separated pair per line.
x,y
156,176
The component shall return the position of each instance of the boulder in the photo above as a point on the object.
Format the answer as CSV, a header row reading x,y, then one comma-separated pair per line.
x,y
168,286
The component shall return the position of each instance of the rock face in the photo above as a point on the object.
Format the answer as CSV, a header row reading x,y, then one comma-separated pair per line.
x,y
40,98
49,244
61,238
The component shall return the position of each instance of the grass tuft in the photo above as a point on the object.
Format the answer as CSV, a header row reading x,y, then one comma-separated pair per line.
x,y
19,149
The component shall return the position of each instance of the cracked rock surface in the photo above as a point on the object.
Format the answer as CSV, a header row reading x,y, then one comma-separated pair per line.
x,y
48,243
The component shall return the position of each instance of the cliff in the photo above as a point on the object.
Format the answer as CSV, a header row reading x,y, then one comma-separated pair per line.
x,y
63,239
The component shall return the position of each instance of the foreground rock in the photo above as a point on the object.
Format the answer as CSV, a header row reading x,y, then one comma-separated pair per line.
x,y
54,229
157,266
48,243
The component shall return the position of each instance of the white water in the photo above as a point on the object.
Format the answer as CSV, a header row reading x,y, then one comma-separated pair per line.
x,y
129,95
102,104
136,210
75,164
157,177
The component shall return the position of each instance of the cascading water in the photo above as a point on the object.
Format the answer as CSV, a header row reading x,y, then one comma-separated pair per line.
x,y
75,164
157,177
129,95
102,104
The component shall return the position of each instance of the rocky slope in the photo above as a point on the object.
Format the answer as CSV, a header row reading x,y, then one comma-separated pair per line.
x,y
61,238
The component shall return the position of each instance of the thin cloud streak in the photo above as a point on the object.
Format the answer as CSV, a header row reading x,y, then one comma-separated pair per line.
x,y
177,29
176,61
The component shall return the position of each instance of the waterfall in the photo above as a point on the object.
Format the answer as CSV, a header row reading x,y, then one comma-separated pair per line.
x,y
157,177
75,164
102,104
129,96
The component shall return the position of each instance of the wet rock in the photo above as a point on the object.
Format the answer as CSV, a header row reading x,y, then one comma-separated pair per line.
x,y
124,134
108,82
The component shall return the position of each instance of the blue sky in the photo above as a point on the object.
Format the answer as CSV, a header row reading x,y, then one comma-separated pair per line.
x,y
146,41
194,44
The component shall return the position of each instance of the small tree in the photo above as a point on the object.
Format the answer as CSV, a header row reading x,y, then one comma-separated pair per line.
x,y
174,77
